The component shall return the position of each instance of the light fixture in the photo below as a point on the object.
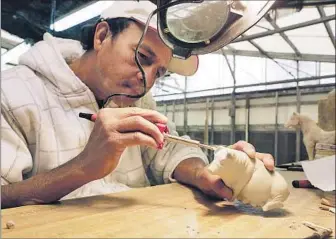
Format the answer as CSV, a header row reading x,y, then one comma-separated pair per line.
x,y
288,7
10,37
82,15
196,27
13,54
3,50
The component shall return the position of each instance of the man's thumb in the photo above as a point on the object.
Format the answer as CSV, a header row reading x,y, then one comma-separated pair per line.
x,y
222,190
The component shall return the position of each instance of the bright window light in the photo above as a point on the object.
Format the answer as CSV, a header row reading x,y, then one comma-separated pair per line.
x,y
3,50
329,10
10,37
81,15
13,54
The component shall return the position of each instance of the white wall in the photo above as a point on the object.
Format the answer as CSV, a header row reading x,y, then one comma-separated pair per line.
x,y
261,113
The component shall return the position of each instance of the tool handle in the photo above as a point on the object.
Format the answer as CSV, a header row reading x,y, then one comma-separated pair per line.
x,y
88,116
315,235
319,235
302,184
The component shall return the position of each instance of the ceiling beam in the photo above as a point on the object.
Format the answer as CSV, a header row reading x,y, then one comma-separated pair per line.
x,y
283,35
256,84
232,70
278,55
230,48
262,52
163,84
327,25
288,28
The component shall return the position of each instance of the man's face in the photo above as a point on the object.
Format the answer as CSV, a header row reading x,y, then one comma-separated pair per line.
x,y
116,70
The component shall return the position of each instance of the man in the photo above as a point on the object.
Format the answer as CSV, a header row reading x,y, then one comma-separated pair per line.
x,y
49,153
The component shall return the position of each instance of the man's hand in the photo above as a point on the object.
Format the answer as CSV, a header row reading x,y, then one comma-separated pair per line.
x,y
114,130
214,186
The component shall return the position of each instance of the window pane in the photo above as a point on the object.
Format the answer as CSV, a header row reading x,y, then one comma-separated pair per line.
x,y
249,70
213,73
304,15
314,45
307,69
329,10
274,43
244,45
327,68
277,73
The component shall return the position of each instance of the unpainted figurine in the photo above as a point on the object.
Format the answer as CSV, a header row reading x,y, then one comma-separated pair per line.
x,y
312,133
250,181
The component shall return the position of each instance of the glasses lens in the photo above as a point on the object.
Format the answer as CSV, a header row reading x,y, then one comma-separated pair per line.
x,y
197,22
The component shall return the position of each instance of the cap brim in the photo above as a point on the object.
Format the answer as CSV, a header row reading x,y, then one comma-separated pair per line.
x,y
186,67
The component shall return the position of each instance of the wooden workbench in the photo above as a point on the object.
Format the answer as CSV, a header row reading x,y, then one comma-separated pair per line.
x,y
171,211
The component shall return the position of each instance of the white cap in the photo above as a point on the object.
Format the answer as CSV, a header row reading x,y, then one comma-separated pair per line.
x,y
139,11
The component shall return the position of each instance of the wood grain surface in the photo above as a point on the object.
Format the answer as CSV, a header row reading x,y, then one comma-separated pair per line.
x,y
170,211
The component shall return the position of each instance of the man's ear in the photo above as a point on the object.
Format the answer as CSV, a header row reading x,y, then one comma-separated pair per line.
x,y
101,33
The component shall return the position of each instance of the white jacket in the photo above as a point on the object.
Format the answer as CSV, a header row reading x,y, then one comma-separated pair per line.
x,y
41,130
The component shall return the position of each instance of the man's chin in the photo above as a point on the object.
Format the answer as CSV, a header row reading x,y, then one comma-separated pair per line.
x,y
124,101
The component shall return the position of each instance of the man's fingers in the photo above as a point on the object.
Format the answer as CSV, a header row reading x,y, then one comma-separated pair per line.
x,y
245,147
137,138
267,159
122,113
150,115
249,149
138,123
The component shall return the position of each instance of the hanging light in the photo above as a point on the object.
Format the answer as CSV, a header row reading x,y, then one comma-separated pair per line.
x,y
195,27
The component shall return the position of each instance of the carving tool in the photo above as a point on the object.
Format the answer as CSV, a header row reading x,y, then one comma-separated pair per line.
x,y
188,142
165,131
326,208
319,231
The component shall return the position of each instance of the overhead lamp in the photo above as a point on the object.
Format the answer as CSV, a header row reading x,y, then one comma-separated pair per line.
x,y
79,16
10,37
195,27
13,54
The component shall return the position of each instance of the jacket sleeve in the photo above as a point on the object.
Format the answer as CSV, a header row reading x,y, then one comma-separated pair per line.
x,y
16,159
160,164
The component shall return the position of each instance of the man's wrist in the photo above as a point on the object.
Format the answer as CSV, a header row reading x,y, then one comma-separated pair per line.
x,y
44,188
189,171
201,178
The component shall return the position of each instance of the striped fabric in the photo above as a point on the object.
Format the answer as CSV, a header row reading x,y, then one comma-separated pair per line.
x,y
41,130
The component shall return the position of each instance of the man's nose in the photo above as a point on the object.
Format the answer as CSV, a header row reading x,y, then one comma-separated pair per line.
x,y
149,74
